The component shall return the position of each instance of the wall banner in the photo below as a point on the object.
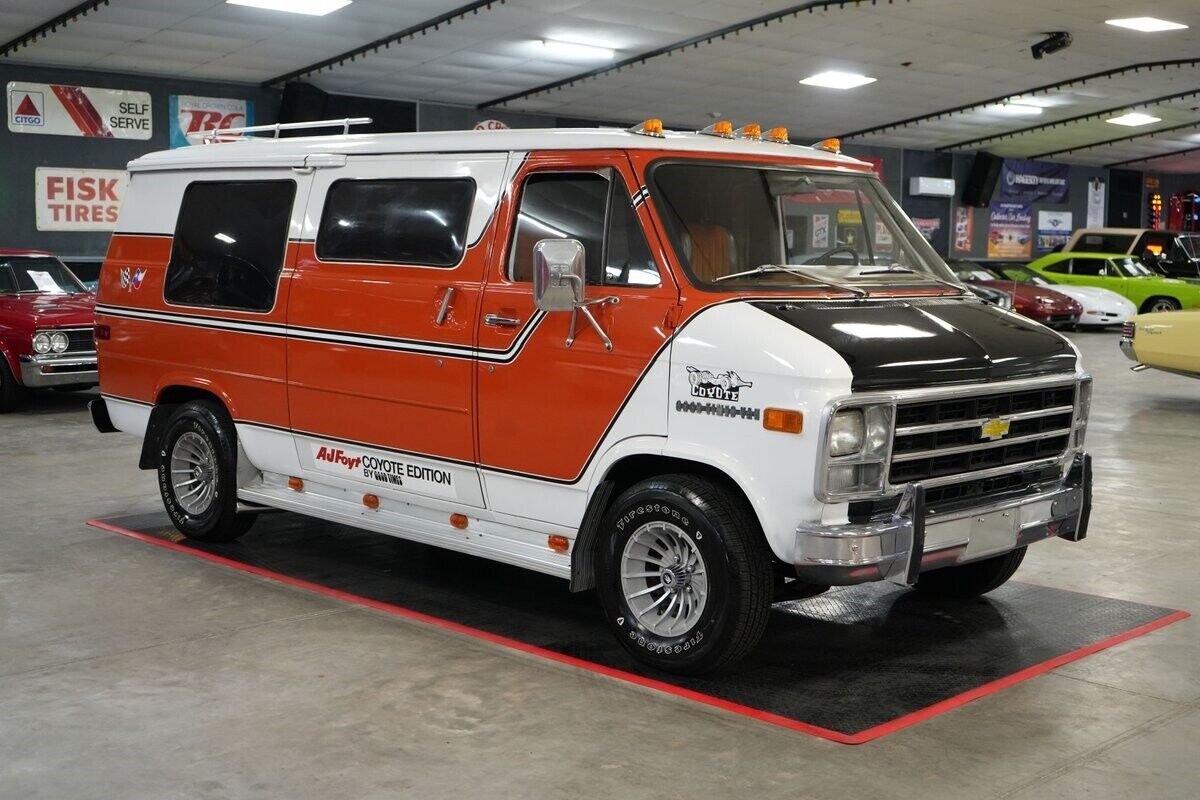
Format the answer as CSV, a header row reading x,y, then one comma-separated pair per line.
x,y
1023,181
59,110
928,226
1010,230
1054,229
1095,203
78,199
820,231
964,233
191,114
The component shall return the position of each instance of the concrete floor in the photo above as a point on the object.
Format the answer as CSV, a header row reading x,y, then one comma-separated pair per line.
x,y
127,671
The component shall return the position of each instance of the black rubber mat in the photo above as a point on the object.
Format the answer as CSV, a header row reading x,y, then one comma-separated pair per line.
x,y
850,665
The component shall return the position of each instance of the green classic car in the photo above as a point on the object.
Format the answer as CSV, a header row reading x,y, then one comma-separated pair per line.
x,y
1126,275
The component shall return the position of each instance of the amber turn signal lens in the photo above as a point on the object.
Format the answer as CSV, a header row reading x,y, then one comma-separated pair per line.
x,y
371,501
459,521
778,135
784,420
295,484
558,544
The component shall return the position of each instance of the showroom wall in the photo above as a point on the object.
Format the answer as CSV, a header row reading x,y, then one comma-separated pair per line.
x,y
22,153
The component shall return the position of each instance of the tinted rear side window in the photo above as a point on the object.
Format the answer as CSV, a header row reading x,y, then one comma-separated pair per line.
x,y
229,244
419,222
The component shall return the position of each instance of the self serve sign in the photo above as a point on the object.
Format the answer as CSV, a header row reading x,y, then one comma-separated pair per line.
x,y
58,109
78,199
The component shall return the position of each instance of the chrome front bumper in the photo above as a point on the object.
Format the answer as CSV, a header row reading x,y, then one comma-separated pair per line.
x,y
899,549
40,372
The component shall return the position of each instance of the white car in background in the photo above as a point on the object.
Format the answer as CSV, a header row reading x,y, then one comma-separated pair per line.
x,y
1101,308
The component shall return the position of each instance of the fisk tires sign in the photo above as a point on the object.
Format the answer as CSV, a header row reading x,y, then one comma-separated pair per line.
x,y
78,199
61,110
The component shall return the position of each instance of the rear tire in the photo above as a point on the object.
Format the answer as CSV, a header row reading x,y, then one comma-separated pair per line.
x,y
11,392
1158,304
971,580
684,575
197,473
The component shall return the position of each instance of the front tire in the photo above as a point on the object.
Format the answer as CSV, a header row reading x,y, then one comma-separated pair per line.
x,y
971,580
197,473
1159,304
685,578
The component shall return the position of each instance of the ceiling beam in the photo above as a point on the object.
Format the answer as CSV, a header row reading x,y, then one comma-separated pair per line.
x,y
46,28
1178,63
1143,135
1069,120
1129,161
692,42
411,32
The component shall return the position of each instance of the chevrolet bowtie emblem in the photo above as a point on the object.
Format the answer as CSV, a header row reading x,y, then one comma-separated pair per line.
x,y
995,429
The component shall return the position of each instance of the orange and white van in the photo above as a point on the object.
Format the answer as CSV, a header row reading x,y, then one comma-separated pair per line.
x,y
697,371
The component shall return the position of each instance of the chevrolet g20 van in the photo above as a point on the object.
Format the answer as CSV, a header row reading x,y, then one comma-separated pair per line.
x,y
699,373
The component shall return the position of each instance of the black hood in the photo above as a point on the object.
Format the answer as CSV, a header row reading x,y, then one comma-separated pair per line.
x,y
901,344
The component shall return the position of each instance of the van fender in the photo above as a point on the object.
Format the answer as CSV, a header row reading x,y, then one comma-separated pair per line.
x,y
161,413
602,488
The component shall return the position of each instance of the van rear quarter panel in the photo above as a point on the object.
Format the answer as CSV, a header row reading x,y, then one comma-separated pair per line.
x,y
145,356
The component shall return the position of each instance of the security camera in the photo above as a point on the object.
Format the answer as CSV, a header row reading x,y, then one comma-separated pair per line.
x,y
1055,41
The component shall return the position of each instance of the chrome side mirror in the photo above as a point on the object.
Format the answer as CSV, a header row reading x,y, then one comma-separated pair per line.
x,y
558,274
559,278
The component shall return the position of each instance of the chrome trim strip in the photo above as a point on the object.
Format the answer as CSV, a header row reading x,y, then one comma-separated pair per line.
x,y
971,448
992,472
912,430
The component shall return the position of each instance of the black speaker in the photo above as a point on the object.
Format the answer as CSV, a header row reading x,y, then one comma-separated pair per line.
x,y
981,180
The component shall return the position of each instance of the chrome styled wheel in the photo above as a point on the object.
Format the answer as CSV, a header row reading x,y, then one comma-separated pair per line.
x,y
193,473
663,578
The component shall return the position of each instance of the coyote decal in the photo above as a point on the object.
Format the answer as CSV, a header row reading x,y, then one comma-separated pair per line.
x,y
717,386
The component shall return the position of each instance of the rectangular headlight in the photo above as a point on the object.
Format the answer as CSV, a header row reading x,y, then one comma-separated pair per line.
x,y
846,432
857,444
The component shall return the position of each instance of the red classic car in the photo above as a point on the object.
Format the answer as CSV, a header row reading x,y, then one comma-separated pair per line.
x,y
46,327
1029,300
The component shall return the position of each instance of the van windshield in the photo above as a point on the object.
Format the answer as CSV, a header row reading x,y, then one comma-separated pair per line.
x,y
789,228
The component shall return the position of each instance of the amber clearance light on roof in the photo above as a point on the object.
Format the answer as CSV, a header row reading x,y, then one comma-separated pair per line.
x,y
313,8
837,80
1134,119
1146,24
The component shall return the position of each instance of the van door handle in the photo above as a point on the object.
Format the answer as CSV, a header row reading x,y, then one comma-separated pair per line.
x,y
498,321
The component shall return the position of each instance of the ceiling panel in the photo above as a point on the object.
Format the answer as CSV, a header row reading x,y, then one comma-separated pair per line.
x,y
928,56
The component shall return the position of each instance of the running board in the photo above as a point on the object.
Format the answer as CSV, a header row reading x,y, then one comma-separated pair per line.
x,y
486,538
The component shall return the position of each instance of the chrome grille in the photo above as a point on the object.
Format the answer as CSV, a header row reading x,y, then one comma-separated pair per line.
x,y
940,442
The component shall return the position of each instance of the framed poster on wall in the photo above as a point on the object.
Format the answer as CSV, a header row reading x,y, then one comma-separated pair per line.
x,y
60,110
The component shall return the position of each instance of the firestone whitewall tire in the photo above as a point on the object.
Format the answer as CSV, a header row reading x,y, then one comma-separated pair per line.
x,y
684,576
197,473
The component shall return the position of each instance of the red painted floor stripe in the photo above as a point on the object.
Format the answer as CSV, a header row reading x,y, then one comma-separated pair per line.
x,y
650,683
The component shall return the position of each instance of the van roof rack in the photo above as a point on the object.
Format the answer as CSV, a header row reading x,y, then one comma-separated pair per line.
x,y
214,135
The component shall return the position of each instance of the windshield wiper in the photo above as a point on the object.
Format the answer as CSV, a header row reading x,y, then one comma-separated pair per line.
x,y
792,269
900,268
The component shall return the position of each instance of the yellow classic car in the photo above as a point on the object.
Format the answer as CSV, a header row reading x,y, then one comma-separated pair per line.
x,y
1170,342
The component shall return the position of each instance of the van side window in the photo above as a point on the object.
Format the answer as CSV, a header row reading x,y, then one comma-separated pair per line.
x,y
627,258
575,206
422,222
560,205
229,244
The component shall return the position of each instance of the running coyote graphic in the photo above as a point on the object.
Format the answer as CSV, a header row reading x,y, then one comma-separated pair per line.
x,y
724,386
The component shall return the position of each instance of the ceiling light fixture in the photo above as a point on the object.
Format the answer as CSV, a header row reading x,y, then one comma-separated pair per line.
x,y
1145,24
837,80
1134,119
312,8
1014,109
577,50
